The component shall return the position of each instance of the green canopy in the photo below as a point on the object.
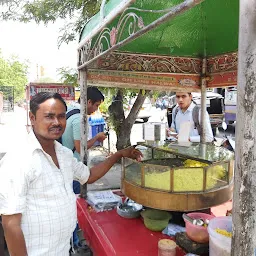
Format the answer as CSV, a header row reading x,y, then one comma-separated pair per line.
x,y
161,44
208,29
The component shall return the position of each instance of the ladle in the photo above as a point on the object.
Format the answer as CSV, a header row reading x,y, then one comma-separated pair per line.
x,y
198,222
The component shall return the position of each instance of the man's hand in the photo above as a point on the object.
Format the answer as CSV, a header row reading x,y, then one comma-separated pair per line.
x,y
102,168
172,132
101,136
131,152
98,137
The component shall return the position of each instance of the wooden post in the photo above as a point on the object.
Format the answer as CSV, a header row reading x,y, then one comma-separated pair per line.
x,y
244,200
203,101
84,123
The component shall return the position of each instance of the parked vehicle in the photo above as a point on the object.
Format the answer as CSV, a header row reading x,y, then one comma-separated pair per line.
x,y
164,102
230,104
145,111
159,103
214,106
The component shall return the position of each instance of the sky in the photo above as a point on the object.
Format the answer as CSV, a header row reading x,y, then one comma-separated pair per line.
x,y
38,44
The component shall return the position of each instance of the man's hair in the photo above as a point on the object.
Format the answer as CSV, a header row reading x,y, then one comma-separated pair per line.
x,y
41,97
93,94
189,93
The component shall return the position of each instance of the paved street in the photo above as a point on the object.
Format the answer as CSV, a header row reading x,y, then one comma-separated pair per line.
x,y
12,127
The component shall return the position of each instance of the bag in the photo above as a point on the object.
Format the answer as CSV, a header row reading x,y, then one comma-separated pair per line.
x,y
195,116
68,115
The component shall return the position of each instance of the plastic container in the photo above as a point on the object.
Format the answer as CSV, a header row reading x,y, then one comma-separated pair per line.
x,y
155,220
197,233
166,247
220,245
97,124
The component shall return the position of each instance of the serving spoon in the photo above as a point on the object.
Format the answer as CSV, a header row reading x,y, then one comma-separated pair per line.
x,y
198,222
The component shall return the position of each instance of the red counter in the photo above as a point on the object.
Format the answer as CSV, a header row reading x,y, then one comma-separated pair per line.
x,y
108,234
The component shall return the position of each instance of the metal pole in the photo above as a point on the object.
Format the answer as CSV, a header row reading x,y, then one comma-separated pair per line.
x,y
244,200
203,101
102,10
175,11
84,123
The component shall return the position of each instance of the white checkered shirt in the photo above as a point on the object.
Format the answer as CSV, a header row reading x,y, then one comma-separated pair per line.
x,y
31,184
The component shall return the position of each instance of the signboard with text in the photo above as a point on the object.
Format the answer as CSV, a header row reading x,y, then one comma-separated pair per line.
x,y
67,92
146,80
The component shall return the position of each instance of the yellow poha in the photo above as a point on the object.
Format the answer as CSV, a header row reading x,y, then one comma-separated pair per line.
x,y
186,179
223,232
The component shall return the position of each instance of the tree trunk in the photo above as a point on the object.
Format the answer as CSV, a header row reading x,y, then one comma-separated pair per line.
x,y
122,125
123,137
244,208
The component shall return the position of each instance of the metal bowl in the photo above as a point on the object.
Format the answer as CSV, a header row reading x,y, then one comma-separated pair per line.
x,y
129,209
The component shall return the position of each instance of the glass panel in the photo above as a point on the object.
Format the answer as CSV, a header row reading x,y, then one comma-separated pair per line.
x,y
146,151
207,152
188,179
158,154
162,162
217,176
157,177
132,171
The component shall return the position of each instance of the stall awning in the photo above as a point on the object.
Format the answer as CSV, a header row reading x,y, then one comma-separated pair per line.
x,y
162,37
207,29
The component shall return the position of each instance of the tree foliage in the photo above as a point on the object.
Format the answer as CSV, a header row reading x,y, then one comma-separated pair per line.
x,y
76,12
68,76
14,73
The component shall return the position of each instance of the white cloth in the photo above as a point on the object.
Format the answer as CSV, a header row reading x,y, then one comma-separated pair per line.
x,y
31,184
187,117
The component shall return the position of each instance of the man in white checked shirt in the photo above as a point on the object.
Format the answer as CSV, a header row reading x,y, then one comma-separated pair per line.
x,y
37,203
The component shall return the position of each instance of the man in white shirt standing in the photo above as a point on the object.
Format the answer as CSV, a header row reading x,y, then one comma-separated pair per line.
x,y
37,202
183,112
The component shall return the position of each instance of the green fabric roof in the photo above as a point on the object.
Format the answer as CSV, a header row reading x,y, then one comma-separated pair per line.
x,y
209,29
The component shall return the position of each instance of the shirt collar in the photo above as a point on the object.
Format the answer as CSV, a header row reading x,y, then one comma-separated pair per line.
x,y
33,141
191,106
35,144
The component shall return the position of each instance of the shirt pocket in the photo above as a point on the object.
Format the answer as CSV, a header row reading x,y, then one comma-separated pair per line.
x,y
67,172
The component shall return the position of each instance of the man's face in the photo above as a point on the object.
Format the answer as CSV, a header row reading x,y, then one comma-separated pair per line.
x,y
91,108
49,123
183,100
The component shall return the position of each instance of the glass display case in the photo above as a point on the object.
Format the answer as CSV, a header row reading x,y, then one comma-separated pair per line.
x,y
189,178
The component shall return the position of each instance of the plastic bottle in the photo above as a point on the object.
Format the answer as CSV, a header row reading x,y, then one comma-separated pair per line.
x,y
166,247
90,120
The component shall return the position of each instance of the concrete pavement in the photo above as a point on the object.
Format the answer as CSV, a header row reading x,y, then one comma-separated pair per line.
x,y
12,127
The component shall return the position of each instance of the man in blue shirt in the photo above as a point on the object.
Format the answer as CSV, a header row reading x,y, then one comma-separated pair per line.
x,y
71,136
